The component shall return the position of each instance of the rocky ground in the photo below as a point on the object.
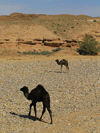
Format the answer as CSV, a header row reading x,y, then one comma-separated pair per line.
x,y
75,96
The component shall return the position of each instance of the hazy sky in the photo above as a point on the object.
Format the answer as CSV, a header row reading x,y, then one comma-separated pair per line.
x,y
51,7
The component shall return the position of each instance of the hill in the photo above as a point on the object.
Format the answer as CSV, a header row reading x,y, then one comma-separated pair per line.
x,y
17,30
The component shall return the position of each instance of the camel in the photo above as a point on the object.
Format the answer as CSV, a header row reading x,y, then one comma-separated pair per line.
x,y
38,94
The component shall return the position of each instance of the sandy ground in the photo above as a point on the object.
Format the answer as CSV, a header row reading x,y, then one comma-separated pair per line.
x,y
74,95
12,56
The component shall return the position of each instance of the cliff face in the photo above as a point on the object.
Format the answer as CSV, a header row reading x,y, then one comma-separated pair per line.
x,y
29,32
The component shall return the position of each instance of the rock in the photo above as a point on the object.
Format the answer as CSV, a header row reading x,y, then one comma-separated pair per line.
x,y
53,43
6,39
1,42
71,42
36,42
30,42
19,39
38,39
51,39
5,105
68,45
4,114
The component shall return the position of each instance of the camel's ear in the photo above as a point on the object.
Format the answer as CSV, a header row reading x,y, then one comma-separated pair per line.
x,y
25,88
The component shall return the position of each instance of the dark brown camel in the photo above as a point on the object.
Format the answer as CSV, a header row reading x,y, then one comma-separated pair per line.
x,y
39,94
63,62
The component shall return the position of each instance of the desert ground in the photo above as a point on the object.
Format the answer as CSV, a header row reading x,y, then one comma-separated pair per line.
x,y
74,93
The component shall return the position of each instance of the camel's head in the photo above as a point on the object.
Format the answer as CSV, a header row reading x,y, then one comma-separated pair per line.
x,y
24,89
57,60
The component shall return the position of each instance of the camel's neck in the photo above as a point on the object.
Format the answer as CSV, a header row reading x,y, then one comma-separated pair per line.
x,y
26,94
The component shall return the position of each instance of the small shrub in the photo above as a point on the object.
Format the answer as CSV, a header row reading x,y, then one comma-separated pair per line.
x,y
89,46
58,24
94,20
37,53
41,53
45,53
57,49
18,52
55,32
72,27
64,30
30,52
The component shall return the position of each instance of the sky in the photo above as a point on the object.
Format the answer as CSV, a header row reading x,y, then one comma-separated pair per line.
x,y
51,7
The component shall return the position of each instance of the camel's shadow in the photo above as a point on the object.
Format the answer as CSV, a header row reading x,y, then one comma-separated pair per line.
x,y
28,117
58,71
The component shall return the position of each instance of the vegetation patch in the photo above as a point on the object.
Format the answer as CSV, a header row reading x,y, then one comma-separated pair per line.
x,y
94,20
89,46
37,53
41,53
72,27
57,49
55,32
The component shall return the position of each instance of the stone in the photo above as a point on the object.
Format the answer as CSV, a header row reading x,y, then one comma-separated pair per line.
x,y
53,43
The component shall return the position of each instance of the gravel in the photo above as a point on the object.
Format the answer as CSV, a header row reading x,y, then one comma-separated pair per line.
x,y
75,97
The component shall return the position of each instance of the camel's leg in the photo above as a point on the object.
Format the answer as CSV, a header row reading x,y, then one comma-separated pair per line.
x,y
67,68
61,67
35,111
50,113
30,109
43,111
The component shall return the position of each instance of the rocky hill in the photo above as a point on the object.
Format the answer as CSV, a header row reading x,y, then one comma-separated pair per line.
x,y
32,32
